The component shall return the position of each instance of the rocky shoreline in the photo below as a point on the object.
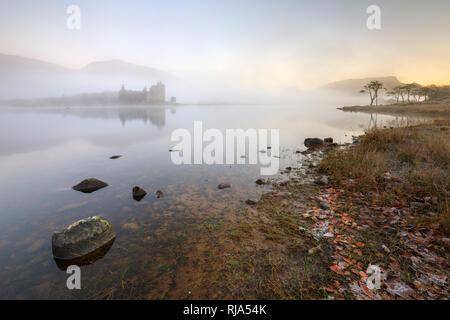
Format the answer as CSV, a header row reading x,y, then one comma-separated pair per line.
x,y
316,237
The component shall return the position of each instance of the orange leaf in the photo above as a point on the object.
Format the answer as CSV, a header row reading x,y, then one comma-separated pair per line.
x,y
368,292
336,269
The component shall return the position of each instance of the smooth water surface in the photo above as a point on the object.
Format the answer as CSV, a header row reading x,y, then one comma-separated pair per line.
x,y
46,151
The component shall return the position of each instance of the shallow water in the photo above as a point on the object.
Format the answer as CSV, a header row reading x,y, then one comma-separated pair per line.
x,y
45,151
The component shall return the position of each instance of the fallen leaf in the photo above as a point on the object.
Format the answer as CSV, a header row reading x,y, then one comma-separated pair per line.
x,y
336,269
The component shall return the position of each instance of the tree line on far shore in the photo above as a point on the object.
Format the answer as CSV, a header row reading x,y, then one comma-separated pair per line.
x,y
406,93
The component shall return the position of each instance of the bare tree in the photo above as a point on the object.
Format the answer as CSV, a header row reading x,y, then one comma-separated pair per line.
x,y
396,92
373,87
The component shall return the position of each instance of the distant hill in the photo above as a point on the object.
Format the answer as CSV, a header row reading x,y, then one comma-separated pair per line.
x,y
353,86
23,78
120,68
16,64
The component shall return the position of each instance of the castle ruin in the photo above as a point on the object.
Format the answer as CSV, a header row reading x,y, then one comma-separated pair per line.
x,y
155,95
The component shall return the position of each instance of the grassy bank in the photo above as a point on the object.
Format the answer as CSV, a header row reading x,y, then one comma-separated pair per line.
x,y
417,155
386,204
438,110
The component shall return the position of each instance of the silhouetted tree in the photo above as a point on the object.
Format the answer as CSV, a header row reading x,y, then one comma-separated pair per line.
x,y
373,87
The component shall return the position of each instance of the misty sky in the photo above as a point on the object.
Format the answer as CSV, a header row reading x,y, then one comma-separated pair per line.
x,y
273,45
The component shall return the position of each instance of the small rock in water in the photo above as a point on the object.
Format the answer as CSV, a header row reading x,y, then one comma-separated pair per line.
x,y
313,142
138,193
224,185
323,180
260,182
90,185
159,194
268,148
328,140
115,157
82,239
250,202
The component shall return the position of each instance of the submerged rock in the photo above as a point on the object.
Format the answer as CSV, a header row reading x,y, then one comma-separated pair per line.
x,y
115,157
159,194
131,226
224,185
82,242
138,193
313,142
90,185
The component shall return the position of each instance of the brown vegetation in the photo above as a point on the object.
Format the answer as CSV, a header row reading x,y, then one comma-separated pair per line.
x,y
433,110
420,155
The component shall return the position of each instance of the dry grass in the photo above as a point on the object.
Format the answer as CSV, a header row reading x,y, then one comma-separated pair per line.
x,y
428,110
420,155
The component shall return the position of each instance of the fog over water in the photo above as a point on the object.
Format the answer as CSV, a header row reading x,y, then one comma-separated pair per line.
x,y
229,64
47,150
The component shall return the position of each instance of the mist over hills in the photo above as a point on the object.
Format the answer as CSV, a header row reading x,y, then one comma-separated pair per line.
x,y
27,78
24,78
353,86
120,68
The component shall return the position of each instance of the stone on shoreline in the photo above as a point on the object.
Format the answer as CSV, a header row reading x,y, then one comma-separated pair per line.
x,y
323,180
250,202
138,193
82,238
260,182
328,140
313,142
159,194
90,185
224,185
324,205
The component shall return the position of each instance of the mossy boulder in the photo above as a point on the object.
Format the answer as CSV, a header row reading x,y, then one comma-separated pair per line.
x,y
82,238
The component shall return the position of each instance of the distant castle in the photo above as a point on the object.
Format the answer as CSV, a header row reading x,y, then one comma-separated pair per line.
x,y
156,94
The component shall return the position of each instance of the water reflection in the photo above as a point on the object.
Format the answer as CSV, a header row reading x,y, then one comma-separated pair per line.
x,y
45,151
156,116
88,259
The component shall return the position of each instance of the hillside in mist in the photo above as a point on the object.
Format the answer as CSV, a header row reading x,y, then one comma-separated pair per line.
x,y
24,78
354,86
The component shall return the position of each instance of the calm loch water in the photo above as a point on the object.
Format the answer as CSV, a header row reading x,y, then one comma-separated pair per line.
x,y
45,151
